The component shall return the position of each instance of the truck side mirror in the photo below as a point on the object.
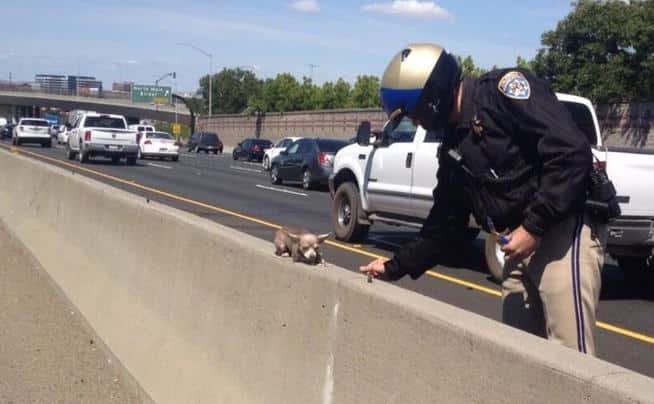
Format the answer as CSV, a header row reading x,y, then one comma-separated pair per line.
x,y
363,133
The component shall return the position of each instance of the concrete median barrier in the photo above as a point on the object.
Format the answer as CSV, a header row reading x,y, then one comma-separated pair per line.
x,y
200,313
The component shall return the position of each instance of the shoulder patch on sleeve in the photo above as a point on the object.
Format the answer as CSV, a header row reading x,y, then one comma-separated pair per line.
x,y
514,85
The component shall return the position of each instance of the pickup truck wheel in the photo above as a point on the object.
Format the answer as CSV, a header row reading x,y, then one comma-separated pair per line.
x,y
274,176
81,156
345,211
175,158
494,257
70,154
131,160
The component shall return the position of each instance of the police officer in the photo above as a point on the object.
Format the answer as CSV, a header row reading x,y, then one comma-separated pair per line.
x,y
513,157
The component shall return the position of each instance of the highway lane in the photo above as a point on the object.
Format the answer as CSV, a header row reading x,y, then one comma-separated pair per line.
x,y
210,183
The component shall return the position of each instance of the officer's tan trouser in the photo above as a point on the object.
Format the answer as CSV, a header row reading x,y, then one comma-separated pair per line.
x,y
554,293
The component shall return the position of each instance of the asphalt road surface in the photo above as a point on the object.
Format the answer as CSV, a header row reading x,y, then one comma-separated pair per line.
x,y
239,194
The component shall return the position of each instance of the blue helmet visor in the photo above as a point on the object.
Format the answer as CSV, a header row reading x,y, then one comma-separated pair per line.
x,y
404,99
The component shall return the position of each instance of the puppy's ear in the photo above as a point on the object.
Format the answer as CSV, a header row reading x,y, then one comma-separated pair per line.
x,y
323,237
294,237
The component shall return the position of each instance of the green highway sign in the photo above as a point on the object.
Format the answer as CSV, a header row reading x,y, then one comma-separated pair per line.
x,y
151,94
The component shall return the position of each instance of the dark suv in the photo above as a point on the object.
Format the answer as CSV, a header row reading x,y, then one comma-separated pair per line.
x,y
251,149
205,141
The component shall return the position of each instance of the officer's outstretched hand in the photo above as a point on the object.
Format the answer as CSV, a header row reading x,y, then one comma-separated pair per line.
x,y
375,268
521,244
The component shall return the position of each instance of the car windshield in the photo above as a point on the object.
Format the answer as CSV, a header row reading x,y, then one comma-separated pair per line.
x,y
331,146
158,135
210,139
34,122
104,122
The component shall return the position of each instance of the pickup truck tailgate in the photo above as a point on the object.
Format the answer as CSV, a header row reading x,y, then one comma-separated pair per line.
x,y
632,174
113,136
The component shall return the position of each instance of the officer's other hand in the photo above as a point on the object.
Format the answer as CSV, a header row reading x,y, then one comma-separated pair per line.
x,y
521,245
375,268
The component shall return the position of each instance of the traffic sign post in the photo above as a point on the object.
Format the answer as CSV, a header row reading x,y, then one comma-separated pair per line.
x,y
160,95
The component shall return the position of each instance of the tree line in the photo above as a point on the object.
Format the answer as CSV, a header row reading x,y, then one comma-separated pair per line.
x,y
603,50
241,91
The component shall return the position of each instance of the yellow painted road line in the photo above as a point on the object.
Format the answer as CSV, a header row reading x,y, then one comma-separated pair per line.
x,y
352,249
132,183
493,292
625,332
461,282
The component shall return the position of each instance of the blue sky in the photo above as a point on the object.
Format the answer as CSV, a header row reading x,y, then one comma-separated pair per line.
x,y
136,39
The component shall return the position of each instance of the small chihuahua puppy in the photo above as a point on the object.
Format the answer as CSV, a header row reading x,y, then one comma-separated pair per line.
x,y
300,244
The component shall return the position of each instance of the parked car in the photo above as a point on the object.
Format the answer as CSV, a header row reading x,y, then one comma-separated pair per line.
x,y
158,144
251,149
273,152
102,135
32,130
308,161
7,130
391,181
208,142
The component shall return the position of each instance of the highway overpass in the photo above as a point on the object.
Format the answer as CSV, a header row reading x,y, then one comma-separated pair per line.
x,y
107,104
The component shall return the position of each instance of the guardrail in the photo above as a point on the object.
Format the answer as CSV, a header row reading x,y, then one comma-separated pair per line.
x,y
201,313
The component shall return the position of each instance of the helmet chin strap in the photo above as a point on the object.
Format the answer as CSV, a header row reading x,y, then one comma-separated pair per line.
x,y
395,118
396,114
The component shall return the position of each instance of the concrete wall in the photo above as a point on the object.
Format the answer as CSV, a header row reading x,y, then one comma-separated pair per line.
x,y
200,313
627,124
621,124
338,124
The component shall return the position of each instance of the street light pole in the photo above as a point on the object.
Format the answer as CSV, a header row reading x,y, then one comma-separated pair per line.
x,y
210,56
210,80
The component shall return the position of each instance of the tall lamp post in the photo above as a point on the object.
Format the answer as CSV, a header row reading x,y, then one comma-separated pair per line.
x,y
207,54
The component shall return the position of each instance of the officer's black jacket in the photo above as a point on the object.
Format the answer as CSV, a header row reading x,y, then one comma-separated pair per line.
x,y
525,162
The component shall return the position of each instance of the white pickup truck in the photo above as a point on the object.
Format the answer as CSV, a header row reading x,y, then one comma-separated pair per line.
x,y
393,184
93,134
